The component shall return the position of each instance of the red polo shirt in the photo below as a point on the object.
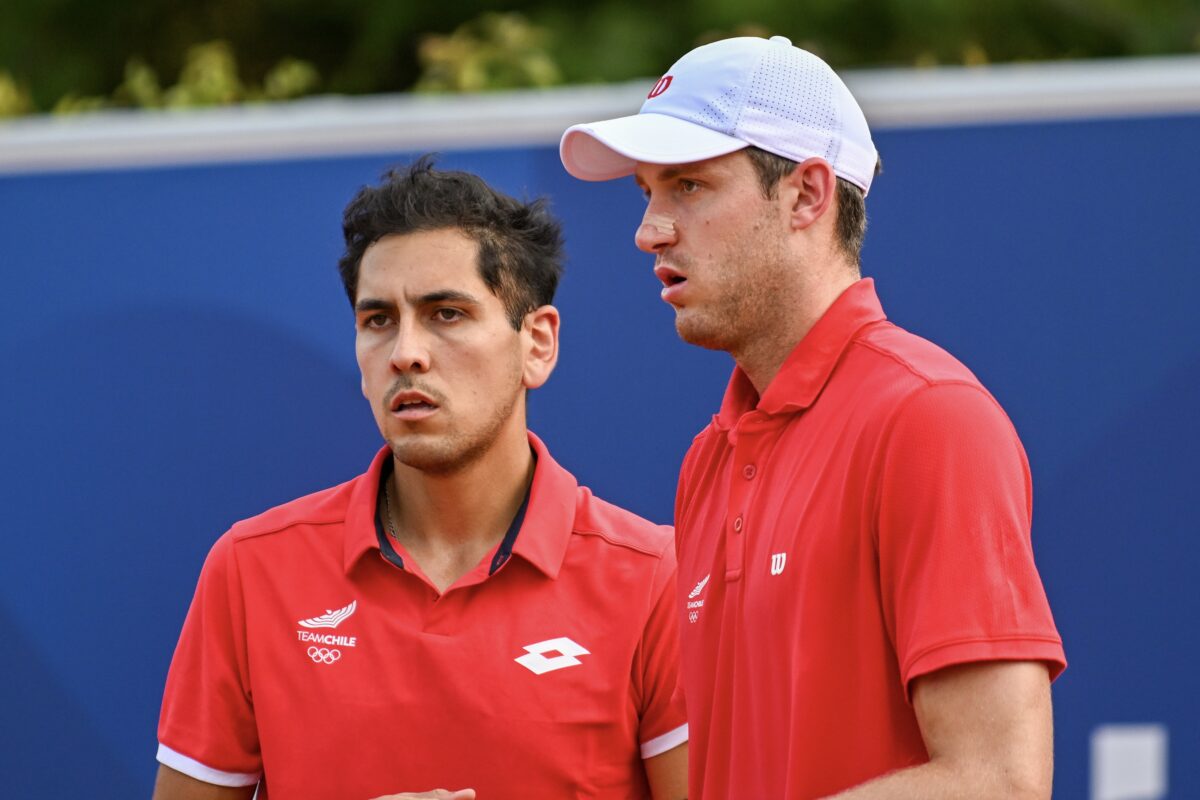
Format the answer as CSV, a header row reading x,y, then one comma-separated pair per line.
x,y
331,666
862,524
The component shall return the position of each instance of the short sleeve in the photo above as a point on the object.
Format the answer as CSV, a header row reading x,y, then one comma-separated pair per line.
x,y
207,729
663,724
954,502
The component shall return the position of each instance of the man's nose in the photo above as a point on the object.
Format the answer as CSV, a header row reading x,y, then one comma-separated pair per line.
x,y
410,353
657,231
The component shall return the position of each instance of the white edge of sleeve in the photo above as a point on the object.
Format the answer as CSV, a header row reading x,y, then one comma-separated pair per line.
x,y
194,769
668,741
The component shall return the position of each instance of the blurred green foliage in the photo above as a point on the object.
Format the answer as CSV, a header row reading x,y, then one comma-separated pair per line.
x,y
75,54
14,98
496,51
209,77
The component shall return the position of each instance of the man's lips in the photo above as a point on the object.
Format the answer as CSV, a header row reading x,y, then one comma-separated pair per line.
x,y
673,282
410,404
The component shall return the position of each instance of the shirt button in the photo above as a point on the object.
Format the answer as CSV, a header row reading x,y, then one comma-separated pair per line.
x,y
737,524
748,471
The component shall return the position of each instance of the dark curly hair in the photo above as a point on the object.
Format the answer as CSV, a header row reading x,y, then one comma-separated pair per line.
x,y
520,244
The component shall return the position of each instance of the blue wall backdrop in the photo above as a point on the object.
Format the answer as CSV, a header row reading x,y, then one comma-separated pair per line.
x,y
177,354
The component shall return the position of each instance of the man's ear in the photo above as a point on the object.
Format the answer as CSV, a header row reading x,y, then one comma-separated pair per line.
x,y
810,191
540,335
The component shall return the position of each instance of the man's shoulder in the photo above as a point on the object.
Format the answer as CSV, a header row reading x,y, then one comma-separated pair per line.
x,y
909,358
620,527
324,507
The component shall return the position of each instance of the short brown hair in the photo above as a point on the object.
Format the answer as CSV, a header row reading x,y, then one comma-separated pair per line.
x,y
851,202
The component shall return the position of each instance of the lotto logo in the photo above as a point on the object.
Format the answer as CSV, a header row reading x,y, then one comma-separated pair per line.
x,y
535,659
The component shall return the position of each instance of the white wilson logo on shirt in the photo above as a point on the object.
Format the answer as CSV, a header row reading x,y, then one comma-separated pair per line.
x,y
778,561
535,659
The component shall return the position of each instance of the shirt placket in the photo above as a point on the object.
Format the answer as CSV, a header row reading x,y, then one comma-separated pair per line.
x,y
745,439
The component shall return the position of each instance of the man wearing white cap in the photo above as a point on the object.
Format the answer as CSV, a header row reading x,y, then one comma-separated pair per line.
x,y
860,612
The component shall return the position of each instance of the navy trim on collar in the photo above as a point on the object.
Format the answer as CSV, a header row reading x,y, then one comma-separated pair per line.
x,y
385,542
510,538
503,552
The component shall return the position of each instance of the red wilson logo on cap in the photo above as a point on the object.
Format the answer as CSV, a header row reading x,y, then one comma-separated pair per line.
x,y
660,87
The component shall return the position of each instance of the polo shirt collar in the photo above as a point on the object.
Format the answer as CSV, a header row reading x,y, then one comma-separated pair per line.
x,y
544,534
550,515
807,368
360,535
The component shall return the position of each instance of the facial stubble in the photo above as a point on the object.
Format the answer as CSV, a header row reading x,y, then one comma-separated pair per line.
x,y
456,449
749,290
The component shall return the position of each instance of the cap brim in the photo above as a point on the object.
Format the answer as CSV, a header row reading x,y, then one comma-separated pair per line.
x,y
601,151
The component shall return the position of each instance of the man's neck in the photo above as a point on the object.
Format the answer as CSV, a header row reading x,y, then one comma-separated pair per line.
x,y
449,522
763,354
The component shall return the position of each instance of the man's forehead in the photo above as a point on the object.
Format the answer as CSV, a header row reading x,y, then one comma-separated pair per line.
x,y
422,262
449,239
644,170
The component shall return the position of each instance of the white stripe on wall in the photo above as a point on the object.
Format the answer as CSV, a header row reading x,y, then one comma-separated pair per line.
x,y
337,126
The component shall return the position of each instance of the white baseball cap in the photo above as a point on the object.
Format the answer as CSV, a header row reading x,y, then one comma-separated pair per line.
x,y
725,96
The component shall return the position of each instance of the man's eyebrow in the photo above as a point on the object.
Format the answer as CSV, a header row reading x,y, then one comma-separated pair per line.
x,y
373,304
429,298
659,172
667,173
447,296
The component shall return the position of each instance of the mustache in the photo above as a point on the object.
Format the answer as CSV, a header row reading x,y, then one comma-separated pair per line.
x,y
406,383
668,258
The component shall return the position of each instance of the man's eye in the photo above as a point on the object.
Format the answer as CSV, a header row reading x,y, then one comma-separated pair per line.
x,y
376,321
447,314
688,187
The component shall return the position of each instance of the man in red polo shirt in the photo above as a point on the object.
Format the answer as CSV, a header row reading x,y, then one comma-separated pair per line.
x,y
463,614
860,612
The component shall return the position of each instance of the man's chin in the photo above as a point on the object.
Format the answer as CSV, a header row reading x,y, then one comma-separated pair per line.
x,y
433,457
424,456
694,331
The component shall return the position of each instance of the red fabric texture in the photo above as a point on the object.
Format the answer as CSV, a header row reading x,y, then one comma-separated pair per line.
x,y
429,693
863,523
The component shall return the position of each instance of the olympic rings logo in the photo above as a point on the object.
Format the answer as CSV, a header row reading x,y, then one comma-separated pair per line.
x,y
321,655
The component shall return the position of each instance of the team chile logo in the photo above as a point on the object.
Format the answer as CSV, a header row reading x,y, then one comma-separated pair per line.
x,y
326,648
694,601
